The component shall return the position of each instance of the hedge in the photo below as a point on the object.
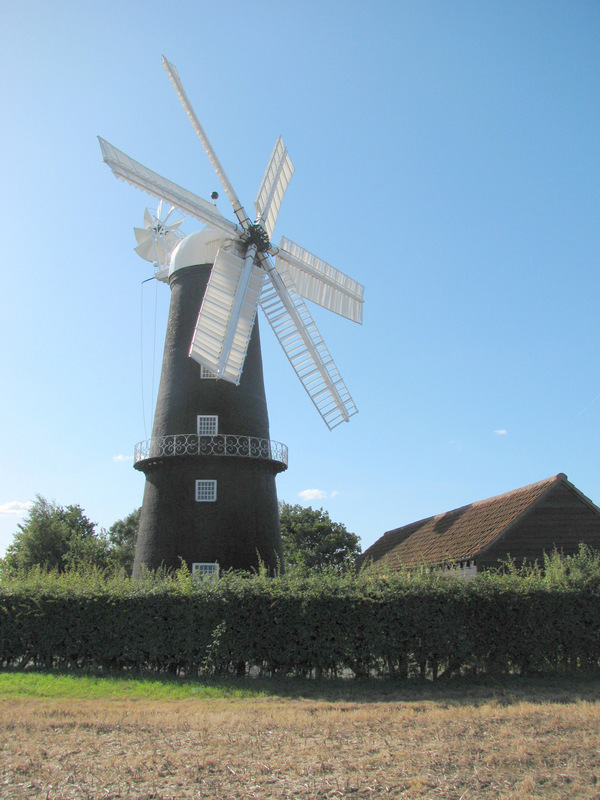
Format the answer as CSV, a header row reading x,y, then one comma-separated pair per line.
x,y
363,625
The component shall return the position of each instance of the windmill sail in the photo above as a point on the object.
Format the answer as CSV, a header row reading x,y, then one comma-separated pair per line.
x,y
272,189
208,148
318,281
235,287
227,315
301,341
126,168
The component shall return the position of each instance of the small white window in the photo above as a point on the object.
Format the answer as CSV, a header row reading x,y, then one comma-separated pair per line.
x,y
205,570
206,373
207,425
206,491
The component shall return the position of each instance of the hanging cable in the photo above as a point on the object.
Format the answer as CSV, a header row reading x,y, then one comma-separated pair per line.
x,y
154,346
142,352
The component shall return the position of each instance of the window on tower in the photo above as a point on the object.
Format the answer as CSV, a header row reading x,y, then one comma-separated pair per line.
x,y
206,373
208,425
205,570
206,491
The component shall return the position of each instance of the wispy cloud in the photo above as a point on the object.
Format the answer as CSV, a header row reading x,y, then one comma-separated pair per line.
x,y
312,494
501,432
122,458
15,508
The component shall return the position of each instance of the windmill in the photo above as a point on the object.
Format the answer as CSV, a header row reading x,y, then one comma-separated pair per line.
x,y
210,495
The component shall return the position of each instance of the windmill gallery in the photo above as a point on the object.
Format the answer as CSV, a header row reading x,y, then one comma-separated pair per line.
x,y
210,465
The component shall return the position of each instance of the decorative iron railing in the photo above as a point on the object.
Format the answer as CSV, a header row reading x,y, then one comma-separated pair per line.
x,y
191,444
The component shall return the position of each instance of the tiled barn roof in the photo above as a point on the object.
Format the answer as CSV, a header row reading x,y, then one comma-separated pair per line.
x,y
457,535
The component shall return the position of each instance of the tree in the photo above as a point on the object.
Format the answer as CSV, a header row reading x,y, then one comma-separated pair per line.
x,y
62,538
122,536
312,541
55,537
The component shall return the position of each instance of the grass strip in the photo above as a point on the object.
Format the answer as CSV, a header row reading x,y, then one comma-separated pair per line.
x,y
507,690
88,687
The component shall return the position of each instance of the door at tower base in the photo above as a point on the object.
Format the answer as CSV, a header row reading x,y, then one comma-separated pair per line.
x,y
239,529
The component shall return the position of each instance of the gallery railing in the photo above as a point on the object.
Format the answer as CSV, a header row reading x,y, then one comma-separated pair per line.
x,y
192,444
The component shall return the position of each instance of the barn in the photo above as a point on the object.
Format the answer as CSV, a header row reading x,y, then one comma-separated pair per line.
x,y
521,525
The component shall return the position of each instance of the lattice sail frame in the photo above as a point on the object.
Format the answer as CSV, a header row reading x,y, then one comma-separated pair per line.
x,y
237,285
305,349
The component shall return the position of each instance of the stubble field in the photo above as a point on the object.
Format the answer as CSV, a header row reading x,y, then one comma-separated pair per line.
x,y
525,740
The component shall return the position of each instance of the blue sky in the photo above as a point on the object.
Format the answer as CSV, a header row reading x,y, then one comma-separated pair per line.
x,y
447,156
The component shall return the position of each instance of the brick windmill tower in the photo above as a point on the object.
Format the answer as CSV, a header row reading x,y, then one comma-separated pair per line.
x,y
210,466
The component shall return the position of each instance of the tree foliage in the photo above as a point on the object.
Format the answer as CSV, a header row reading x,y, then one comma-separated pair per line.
x,y
55,537
62,538
122,536
313,542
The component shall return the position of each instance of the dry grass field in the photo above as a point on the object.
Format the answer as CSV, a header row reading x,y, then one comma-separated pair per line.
x,y
517,742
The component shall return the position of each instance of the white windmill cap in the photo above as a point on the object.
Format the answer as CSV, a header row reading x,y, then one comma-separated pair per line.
x,y
199,247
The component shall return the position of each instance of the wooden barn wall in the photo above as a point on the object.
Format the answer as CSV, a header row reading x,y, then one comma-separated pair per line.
x,y
560,520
